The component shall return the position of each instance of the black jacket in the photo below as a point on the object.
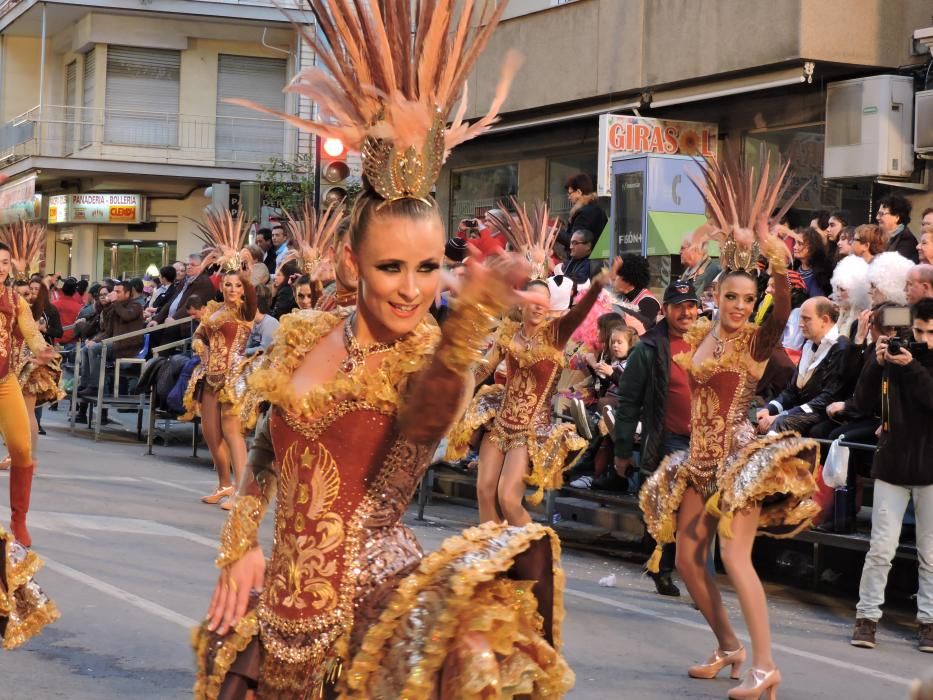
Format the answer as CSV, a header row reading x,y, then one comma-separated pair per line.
x,y
905,448
826,385
643,397
283,301
904,243
54,328
590,217
581,270
200,285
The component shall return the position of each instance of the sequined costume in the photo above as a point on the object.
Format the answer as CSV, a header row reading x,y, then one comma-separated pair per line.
x,y
727,463
519,414
24,608
220,341
41,381
350,607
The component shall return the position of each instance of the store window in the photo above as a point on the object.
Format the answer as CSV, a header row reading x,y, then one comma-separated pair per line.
x,y
476,191
803,146
142,96
559,169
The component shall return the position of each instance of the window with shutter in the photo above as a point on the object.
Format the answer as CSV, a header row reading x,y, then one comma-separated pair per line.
x,y
142,96
87,99
71,98
243,135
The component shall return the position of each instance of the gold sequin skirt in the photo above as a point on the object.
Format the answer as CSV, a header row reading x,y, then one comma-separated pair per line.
x,y
24,607
552,448
231,392
42,381
458,622
775,471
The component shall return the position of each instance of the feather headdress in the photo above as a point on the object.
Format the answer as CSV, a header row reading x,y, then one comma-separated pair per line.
x,y
738,197
389,82
315,235
27,247
533,236
226,234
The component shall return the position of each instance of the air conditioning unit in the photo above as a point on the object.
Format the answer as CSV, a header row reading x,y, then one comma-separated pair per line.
x,y
923,123
868,127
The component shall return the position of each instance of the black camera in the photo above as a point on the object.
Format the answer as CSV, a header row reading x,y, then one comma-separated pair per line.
x,y
896,345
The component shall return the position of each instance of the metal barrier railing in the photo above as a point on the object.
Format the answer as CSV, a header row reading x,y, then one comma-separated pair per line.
x,y
100,400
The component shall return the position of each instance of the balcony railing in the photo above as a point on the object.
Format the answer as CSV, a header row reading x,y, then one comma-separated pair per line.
x,y
147,137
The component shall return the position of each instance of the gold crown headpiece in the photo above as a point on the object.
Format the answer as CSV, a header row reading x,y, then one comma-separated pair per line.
x,y
533,236
27,247
740,199
226,234
315,235
390,77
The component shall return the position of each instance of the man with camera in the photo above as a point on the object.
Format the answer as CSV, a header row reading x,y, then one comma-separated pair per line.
x,y
902,372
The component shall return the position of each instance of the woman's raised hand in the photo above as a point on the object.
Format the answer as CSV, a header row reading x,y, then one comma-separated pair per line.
x,y
501,277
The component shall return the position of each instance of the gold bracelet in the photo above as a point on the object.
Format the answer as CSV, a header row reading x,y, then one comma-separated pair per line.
x,y
466,331
777,256
240,531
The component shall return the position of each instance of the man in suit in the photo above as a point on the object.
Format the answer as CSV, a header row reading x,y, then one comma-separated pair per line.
x,y
820,377
264,241
196,281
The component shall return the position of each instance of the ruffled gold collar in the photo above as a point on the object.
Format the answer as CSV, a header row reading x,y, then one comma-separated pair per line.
x,y
299,332
736,356
540,348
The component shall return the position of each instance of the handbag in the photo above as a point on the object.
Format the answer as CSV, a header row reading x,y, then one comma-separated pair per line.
x,y
836,467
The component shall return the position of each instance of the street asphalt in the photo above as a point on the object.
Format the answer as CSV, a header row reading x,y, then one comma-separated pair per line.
x,y
129,555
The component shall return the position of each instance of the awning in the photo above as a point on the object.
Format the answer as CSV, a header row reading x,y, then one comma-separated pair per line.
x,y
666,230
733,86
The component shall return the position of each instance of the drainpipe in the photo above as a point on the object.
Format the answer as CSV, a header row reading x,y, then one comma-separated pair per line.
x,y
41,78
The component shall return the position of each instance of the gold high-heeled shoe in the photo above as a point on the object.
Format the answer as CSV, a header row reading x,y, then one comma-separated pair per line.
x,y
217,495
757,682
717,662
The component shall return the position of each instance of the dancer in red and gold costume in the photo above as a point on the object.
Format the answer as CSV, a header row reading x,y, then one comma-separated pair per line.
x,y
750,484
38,381
220,341
521,443
347,605
24,608
320,242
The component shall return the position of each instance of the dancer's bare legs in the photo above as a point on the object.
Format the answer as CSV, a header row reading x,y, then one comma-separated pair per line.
x,y
213,436
695,531
737,556
511,489
491,461
235,444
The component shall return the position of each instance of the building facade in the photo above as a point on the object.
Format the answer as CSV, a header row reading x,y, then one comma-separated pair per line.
x,y
755,70
114,120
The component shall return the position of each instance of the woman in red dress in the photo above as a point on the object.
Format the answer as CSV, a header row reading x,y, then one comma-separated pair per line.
x,y
347,605
749,484
220,341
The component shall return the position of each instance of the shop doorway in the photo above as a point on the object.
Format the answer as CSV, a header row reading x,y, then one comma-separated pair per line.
x,y
126,259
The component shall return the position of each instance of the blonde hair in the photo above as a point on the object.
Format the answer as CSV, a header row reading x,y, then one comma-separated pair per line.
x,y
631,337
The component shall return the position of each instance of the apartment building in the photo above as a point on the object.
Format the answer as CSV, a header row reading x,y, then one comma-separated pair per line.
x,y
113,120
752,72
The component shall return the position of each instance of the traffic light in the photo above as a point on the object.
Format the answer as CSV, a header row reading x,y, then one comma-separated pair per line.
x,y
334,171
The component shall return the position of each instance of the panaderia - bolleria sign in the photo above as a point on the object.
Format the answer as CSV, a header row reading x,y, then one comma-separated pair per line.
x,y
96,209
621,135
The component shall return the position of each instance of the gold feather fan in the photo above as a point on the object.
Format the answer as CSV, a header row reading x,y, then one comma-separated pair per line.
x,y
226,234
389,82
533,235
315,235
27,246
739,199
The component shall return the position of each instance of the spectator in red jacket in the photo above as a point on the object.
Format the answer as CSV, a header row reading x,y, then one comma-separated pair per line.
x,y
69,304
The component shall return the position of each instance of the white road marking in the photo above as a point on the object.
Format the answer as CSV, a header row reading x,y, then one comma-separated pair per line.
x,y
70,522
120,594
40,474
828,660
173,485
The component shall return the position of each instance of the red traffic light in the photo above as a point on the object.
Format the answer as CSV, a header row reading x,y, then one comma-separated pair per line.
x,y
333,147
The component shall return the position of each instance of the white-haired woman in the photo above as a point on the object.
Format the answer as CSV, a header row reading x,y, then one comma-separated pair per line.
x,y
850,292
887,278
